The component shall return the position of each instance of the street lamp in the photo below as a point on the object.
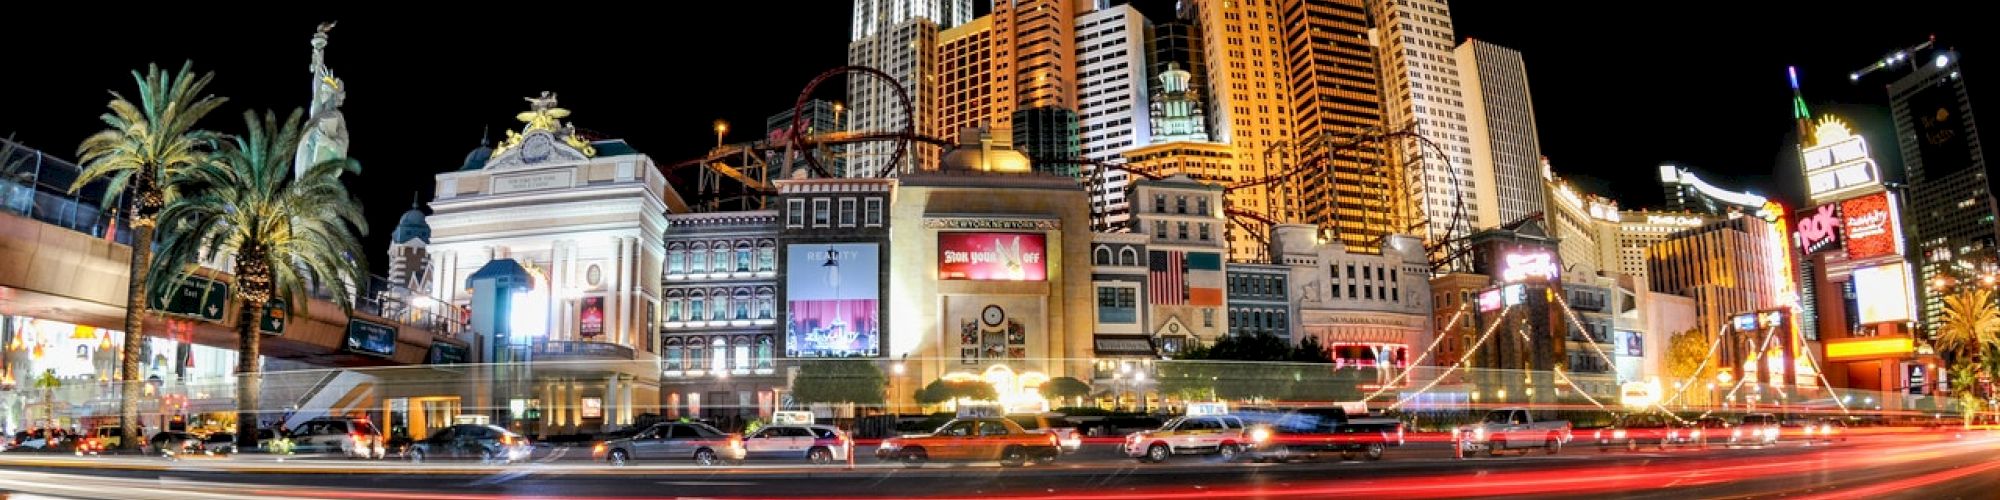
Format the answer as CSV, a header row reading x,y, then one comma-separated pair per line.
x,y
721,128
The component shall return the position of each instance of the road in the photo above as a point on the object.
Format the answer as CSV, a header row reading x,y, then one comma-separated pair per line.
x,y
1927,466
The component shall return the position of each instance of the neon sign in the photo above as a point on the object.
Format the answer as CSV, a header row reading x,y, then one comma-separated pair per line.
x,y
1871,226
1673,220
1489,301
1838,161
1529,264
1819,229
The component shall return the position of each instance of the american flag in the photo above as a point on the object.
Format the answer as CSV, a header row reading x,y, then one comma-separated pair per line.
x,y
1166,278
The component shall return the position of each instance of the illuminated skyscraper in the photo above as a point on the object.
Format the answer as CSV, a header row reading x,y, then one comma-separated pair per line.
x,y
872,17
1248,102
1952,213
1111,110
907,51
1354,195
1506,152
1422,87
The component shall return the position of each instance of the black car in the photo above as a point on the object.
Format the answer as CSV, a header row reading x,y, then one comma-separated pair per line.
x,y
174,442
486,443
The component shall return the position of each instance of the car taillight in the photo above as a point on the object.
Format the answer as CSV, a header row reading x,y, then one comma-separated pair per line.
x,y
1052,440
735,442
597,449
506,440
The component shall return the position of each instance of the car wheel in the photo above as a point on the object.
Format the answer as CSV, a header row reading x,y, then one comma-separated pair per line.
x,y
1493,448
1227,452
1632,445
416,456
1013,457
1552,445
915,457
1158,453
1048,458
819,456
619,458
705,457
488,458
1375,451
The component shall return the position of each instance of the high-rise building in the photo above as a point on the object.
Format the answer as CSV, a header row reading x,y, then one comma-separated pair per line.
x,y
1034,55
872,17
1422,88
1952,213
1176,111
1047,134
1248,102
965,77
821,117
1112,108
1641,229
1177,44
1729,267
898,37
1335,95
1501,116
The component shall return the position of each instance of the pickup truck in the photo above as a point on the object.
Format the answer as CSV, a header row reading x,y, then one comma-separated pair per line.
x,y
1512,429
971,440
1308,432
1054,424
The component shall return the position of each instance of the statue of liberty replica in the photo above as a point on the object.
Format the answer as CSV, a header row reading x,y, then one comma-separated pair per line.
x,y
326,131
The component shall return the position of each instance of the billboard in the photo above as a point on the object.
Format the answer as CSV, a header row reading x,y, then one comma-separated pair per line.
x,y
1631,343
591,317
1838,161
1818,229
1884,293
368,337
1489,301
832,291
1872,226
1941,131
1524,263
992,256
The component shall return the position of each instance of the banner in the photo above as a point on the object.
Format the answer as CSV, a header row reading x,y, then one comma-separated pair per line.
x,y
1818,229
1872,228
832,294
1941,132
592,318
992,256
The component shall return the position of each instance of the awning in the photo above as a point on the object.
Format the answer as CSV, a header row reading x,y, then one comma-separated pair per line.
x,y
1124,345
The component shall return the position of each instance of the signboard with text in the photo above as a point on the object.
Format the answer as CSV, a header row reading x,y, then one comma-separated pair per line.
x,y
1871,224
1818,229
371,338
591,318
992,256
1523,264
1941,131
448,354
273,320
832,300
195,297
1838,161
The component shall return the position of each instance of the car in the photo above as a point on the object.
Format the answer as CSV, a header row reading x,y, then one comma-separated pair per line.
x,y
1825,430
973,439
487,443
107,437
1636,430
819,444
1512,428
1308,432
1698,432
1220,435
354,437
702,443
173,443
1051,423
1756,429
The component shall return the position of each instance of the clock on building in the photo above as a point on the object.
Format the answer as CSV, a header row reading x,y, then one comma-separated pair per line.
x,y
993,315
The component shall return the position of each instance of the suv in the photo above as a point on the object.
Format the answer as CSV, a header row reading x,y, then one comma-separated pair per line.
x,y
355,437
1756,429
819,444
1222,435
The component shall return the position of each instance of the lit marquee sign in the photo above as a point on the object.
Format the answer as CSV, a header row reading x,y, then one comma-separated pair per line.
x,y
1489,301
1529,264
992,256
1603,210
1872,226
1838,161
1819,229
1673,220
1884,293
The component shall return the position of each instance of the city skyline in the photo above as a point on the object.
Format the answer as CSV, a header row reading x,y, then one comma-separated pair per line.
x,y
412,116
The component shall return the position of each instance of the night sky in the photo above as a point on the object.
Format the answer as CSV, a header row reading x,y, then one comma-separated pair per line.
x,y
1616,93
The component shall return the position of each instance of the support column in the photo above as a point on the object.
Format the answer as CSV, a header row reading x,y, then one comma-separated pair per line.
x,y
612,401
625,418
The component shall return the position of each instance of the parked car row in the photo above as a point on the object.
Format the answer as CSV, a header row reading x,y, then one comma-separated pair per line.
x,y
1662,431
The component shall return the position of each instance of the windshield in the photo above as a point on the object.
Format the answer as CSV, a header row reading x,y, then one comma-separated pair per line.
x,y
1498,417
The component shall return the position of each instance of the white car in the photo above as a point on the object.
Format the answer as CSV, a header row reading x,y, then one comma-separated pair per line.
x,y
1221,435
1756,429
350,436
1512,428
818,444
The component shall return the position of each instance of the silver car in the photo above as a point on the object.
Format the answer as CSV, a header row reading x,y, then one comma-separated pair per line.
x,y
673,441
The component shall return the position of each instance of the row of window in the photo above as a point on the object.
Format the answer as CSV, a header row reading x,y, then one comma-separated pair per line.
x,y
722,257
1256,321
1160,230
824,215
718,354
718,305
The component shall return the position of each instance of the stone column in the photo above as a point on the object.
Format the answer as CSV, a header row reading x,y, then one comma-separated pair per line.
x,y
625,416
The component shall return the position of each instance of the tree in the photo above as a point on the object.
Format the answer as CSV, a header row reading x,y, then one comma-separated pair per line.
x,y
145,145
47,382
1964,374
941,390
1686,352
1971,321
286,234
1060,388
839,381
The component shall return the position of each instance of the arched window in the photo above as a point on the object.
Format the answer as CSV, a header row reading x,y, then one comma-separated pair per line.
x,y
1101,256
674,305
676,259
742,256
741,346
764,354
764,301
698,258
767,255
695,351
1128,257
695,304
721,298
673,355
742,304
720,350
721,262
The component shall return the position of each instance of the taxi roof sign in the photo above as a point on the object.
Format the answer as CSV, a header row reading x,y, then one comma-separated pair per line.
x,y
978,410
1205,409
792,418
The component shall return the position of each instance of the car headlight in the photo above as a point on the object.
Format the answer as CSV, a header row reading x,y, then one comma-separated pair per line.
x,y
1618,434
1674,434
1260,435
1810,429
1771,432
1736,433
1599,434
1696,434
1479,433
888,445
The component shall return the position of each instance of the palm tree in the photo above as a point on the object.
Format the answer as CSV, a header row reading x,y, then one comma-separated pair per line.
x,y
1971,321
48,383
146,143
287,234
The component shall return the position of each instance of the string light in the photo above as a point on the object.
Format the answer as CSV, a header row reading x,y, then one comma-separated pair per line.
x,y
1461,360
1423,355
